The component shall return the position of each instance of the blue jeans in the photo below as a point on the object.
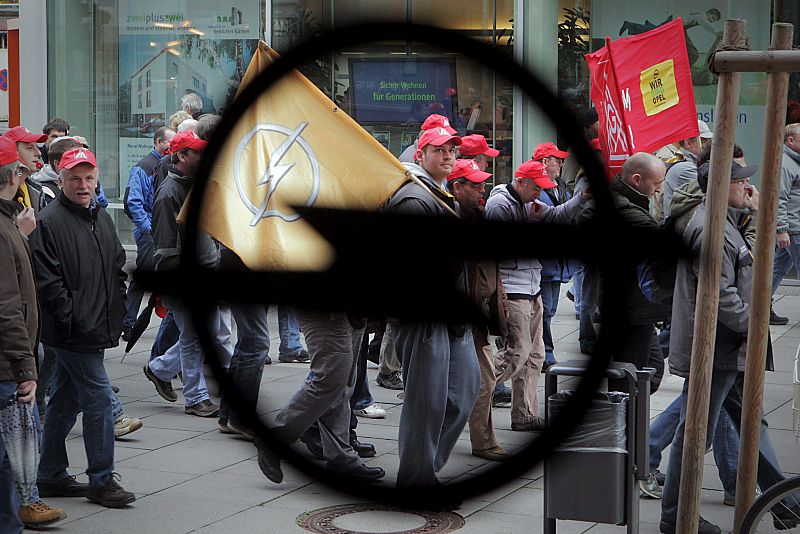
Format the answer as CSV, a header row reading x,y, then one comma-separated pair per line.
x,y
249,356
166,337
550,292
80,384
785,259
725,443
289,332
144,255
9,500
587,335
577,289
726,392
186,356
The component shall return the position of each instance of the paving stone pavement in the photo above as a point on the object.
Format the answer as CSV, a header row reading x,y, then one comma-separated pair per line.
x,y
188,477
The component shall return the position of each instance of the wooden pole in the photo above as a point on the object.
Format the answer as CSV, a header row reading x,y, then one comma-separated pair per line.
x,y
764,252
694,439
757,61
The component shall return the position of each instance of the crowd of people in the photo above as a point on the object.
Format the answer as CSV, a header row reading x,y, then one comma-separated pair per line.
x,y
71,299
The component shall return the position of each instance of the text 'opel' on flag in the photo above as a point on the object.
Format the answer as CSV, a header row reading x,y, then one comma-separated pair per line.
x,y
293,147
642,89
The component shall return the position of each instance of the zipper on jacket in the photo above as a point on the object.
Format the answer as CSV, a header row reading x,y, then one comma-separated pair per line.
x,y
105,278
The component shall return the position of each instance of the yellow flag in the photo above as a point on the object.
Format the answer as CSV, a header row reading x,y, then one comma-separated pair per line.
x,y
294,146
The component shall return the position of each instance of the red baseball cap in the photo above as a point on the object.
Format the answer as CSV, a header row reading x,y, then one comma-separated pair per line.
x,y
187,139
20,134
535,171
437,137
8,151
472,145
468,169
548,149
438,121
76,156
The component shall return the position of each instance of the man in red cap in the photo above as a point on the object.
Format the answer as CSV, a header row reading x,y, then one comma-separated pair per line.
x,y
433,121
78,261
467,184
523,354
440,368
554,271
476,148
186,355
30,194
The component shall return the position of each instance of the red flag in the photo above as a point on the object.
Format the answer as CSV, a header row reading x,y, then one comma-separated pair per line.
x,y
642,89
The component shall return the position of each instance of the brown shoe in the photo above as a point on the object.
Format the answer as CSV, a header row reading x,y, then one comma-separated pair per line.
x,y
534,425
495,454
38,515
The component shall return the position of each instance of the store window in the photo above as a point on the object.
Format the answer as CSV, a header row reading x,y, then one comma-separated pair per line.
x,y
146,54
428,80
584,24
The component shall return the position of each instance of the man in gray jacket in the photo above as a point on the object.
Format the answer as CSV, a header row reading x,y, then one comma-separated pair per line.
x,y
787,253
523,355
440,366
731,344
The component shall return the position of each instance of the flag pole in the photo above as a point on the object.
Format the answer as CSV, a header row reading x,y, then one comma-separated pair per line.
x,y
441,202
707,299
758,325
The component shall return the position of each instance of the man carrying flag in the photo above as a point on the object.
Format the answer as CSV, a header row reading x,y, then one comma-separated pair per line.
x,y
440,366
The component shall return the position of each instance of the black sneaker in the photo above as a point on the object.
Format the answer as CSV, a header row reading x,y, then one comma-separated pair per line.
x,y
301,356
163,388
66,487
703,527
785,518
777,320
126,334
390,381
501,397
111,495
204,408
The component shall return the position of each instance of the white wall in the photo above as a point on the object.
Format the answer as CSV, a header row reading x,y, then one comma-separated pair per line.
x,y
33,64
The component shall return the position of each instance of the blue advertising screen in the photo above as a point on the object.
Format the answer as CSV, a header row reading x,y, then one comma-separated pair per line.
x,y
401,91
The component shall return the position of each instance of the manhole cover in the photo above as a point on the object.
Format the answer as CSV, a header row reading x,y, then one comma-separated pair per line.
x,y
377,518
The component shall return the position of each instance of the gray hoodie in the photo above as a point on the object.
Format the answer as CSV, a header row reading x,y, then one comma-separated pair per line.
x,y
48,179
677,176
789,199
523,276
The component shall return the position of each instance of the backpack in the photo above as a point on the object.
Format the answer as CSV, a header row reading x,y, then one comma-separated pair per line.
x,y
656,276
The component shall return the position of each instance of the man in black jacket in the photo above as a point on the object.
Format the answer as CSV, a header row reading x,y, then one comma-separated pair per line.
x,y
78,260
186,355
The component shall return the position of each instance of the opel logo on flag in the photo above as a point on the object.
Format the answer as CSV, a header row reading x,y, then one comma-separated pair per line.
x,y
280,166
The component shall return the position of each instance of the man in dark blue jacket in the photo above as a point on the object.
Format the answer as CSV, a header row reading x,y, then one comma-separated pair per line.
x,y
78,260
139,197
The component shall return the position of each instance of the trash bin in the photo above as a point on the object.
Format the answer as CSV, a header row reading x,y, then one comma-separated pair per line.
x,y
592,475
586,475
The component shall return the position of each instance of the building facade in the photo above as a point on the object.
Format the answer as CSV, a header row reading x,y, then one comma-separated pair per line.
x,y
116,69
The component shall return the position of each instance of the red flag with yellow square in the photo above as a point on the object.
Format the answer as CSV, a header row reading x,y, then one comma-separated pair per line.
x,y
642,89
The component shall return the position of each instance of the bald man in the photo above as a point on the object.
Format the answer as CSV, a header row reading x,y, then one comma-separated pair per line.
x,y
642,177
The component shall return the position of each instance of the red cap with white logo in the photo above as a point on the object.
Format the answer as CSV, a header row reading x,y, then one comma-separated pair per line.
x,y
75,157
472,145
438,121
437,137
535,171
468,169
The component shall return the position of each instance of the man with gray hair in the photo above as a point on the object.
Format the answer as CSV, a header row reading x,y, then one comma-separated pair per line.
x,y
192,104
683,167
787,252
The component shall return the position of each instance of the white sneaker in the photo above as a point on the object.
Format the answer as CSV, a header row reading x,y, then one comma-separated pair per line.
x,y
373,411
124,425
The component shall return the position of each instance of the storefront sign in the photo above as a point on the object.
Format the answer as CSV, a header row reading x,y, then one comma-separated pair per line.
x,y
211,19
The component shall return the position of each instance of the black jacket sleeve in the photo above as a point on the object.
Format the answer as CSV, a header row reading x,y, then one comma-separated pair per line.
x,y
54,296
